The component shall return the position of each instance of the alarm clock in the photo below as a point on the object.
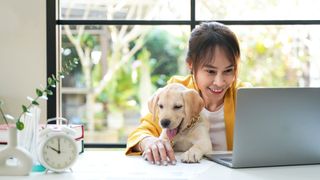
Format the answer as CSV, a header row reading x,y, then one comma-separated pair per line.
x,y
57,148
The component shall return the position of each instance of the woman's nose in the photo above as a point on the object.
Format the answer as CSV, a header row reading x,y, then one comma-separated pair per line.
x,y
218,80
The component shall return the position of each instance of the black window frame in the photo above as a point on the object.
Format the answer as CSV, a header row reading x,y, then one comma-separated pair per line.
x,y
52,28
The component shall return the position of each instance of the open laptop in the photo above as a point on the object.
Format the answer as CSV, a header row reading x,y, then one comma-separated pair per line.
x,y
275,127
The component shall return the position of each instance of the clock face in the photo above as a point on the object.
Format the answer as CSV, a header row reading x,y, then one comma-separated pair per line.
x,y
59,152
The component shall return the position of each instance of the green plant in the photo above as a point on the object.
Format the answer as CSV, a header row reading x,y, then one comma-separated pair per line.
x,y
40,93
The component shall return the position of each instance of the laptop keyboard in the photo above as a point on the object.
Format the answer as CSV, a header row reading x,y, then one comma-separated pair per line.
x,y
228,159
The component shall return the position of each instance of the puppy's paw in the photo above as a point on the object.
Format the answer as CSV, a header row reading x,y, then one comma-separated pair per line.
x,y
191,156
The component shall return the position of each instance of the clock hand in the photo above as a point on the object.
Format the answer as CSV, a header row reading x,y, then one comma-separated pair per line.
x,y
59,145
54,149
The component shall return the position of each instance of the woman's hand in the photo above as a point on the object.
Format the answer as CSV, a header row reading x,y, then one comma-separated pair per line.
x,y
157,151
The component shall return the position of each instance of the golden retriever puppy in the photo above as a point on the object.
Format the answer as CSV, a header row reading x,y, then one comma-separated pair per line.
x,y
178,109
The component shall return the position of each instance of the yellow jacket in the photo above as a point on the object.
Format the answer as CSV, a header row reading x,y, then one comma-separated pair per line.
x,y
148,127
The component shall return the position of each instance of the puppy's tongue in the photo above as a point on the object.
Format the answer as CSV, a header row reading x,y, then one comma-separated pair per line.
x,y
171,133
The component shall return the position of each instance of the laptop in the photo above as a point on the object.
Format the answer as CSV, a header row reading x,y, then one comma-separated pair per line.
x,y
274,127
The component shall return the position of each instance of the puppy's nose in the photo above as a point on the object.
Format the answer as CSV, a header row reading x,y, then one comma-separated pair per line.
x,y
165,123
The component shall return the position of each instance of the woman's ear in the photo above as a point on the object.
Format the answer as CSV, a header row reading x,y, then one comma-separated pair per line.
x,y
189,64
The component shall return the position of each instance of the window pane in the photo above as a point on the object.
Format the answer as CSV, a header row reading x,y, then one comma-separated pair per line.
x,y
120,67
278,56
257,10
125,10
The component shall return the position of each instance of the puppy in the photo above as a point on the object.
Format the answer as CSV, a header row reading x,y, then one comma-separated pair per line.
x,y
178,110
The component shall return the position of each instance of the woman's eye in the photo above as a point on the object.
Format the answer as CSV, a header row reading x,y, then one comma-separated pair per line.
x,y
211,71
177,106
160,106
228,71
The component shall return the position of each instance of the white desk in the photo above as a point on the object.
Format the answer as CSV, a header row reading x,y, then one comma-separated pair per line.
x,y
108,164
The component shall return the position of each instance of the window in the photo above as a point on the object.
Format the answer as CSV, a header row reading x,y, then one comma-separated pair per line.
x,y
127,49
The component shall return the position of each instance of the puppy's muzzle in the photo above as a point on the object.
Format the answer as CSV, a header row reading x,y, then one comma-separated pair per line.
x,y
165,123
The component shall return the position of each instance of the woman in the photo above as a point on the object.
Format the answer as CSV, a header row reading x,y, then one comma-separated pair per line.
x,y
213,57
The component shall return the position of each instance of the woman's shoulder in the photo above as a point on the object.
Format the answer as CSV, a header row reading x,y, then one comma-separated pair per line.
x,y
179,79
185,80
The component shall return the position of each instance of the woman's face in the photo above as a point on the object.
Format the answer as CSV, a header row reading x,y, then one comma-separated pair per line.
x,y
214,79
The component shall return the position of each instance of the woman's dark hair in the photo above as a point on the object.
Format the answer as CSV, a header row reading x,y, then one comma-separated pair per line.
x,y
205,38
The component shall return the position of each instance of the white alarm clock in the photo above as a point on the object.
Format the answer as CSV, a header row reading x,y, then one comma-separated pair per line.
x,y
57,148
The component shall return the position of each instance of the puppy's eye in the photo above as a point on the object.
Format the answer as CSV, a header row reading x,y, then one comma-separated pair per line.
x,y
160,106
177,106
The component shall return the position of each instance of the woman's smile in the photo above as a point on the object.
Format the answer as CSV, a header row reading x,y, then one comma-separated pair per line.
x,y
216,90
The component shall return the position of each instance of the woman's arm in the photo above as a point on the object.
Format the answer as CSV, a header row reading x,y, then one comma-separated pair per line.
x,y
145,140
147,128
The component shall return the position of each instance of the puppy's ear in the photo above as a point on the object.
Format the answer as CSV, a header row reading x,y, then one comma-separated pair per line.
x,y
193,104
152,103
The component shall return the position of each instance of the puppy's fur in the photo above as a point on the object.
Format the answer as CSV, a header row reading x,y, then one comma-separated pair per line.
x,y
177,108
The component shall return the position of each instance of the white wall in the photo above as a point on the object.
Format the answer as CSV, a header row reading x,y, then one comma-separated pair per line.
x,y
22,52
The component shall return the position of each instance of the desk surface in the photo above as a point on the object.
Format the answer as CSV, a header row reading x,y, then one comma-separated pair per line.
x,y
108,164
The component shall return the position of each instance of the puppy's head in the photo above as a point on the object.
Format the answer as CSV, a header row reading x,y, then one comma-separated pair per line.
x,y
175,105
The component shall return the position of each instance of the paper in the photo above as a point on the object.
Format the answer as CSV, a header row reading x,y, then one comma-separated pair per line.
x,y
119,166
